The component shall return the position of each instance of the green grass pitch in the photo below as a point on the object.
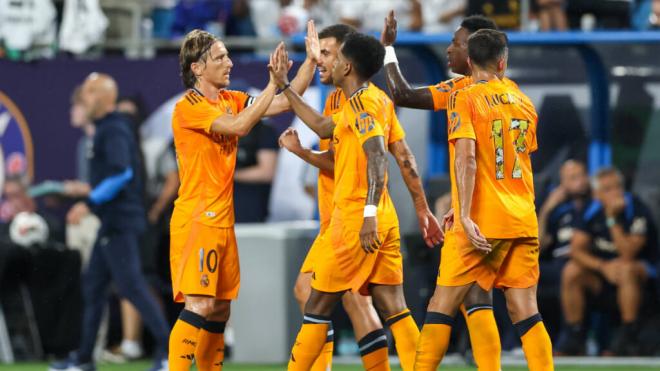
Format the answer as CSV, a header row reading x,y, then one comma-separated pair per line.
x,y
142,366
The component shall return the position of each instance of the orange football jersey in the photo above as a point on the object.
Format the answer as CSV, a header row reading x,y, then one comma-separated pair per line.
x,y
502,120
368,113
326,181
442,90
206,160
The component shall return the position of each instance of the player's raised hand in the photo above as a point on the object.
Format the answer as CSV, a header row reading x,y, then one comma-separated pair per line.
x,y
369,235
431,231
388,36
279,66
312,43
290,140
474,235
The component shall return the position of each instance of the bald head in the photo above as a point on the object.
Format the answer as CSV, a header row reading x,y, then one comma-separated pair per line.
x,y
573,177
99,95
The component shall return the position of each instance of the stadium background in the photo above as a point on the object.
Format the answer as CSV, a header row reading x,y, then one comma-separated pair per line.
x,y
597,94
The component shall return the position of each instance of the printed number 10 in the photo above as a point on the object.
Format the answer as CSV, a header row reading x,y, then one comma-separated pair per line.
x,y
518,144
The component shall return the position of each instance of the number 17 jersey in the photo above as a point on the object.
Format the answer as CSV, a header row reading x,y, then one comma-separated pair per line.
x,y
502,121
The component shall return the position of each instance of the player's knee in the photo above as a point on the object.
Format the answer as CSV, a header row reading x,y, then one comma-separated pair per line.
x,y
354,304
571,273
322,304
301,291
200,305
477,295
521,308
221,311
630,272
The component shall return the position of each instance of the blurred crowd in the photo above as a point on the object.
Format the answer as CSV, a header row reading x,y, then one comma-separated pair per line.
x,y
42,28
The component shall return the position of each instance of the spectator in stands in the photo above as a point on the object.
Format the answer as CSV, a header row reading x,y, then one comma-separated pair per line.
x,y
614,245
368,15
506,14
256,162
551,15
116,198
612,14
654,18
442,15
557,217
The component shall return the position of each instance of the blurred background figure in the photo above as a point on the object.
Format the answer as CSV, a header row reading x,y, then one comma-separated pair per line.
x,y
442,15
614,252
551,15
558,216
256,162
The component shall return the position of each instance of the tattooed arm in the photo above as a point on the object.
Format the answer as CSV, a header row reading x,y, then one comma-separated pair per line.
x,y
377,163
429,225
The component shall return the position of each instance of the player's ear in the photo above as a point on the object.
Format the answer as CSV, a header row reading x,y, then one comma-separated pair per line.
x,y
197,68
469,62
501,64
348,67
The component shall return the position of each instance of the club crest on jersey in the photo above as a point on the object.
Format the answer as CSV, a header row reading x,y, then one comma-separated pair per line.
x,y
16,154
454,122
364,123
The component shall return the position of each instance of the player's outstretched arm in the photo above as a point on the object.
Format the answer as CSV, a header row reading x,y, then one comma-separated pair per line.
x,y
374,148
431,230
323,160
465,168
241,124
321,125
402,93
305,73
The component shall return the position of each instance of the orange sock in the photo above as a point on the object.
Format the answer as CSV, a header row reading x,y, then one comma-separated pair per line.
x,y
309,342
406,335
536,343
324,360
484,337
433,341
373,350
183,340
210,351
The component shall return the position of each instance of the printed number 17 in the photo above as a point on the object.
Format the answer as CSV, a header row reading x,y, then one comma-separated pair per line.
x,y
518,145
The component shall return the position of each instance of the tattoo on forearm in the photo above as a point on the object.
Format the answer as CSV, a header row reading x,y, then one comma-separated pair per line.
x,y
376,169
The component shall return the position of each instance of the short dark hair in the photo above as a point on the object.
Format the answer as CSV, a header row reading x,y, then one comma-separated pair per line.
x,y
487,47
478,22
338,31
195,46
365,53
605,172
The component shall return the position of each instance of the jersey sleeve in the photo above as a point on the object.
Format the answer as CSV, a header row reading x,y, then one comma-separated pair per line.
x,y
396,130
460,117
364,119
241,99
194,112
442,91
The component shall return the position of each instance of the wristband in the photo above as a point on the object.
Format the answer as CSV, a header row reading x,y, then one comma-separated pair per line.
x,y
610,221
370,210
390,55
288,85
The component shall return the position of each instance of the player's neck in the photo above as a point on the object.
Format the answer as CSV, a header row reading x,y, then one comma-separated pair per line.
x,y
350,86
209,91
484,75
